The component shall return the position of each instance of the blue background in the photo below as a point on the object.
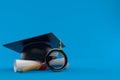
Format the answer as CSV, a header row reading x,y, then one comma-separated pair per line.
x,y
90,29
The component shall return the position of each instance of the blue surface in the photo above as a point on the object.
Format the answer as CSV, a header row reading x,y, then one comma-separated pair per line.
x,y
89,28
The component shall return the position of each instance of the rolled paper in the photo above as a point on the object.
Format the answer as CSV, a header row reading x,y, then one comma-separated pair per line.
x,y
26,65
20,64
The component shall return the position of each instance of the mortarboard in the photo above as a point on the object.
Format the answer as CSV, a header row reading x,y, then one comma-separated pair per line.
x,y
40,43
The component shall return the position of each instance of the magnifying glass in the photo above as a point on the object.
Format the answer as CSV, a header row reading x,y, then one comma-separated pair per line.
x,y
56,60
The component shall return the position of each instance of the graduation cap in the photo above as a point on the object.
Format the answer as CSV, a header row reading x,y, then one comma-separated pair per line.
x,y
35,48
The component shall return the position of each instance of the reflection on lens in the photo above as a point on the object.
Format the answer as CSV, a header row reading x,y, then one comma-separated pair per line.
x,y
56,60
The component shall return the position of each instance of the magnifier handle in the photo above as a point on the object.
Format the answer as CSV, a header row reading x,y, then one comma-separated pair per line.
x,y
35,66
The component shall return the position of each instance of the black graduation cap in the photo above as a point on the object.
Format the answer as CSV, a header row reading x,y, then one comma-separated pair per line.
x,y
35,48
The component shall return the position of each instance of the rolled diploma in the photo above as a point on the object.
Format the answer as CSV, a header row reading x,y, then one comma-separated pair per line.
x,y
21,64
